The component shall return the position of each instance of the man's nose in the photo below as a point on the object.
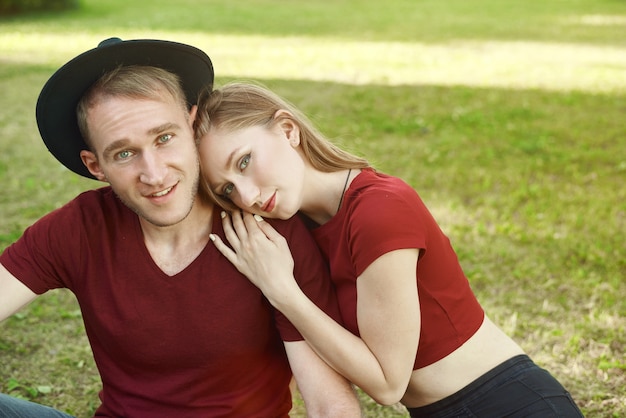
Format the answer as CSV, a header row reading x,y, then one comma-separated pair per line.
x,y
153,169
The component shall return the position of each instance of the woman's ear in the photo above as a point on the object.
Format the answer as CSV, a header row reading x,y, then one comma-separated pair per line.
x,y
91,162
288,127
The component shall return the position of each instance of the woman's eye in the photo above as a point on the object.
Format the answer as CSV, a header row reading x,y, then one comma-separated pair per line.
x,y
165,138
228,190
244,162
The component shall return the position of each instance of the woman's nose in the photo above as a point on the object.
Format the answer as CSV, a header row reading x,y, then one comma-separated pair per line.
x,y
248,193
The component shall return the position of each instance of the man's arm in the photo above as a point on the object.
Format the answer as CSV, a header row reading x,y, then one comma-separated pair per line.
x,y
13,294
325,392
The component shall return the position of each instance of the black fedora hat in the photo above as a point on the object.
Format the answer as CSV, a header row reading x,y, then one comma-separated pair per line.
x,y
56,106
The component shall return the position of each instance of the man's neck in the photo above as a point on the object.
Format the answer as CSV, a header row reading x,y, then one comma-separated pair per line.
x,y
175,247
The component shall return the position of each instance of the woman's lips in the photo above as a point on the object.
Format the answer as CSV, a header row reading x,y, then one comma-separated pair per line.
x,y
269,205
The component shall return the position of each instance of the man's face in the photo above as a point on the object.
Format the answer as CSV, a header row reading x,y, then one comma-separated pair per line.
x,y
145,149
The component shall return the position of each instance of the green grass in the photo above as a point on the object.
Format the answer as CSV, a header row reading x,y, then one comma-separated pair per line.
x,y
507,117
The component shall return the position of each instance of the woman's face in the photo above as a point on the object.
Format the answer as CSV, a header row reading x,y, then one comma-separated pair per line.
x,y
259,168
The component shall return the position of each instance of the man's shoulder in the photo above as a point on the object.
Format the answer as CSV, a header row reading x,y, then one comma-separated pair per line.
x,y
101,199
90,206
94,196
291,228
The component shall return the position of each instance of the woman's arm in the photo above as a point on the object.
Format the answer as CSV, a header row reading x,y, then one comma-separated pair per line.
x,y
381,361
326,394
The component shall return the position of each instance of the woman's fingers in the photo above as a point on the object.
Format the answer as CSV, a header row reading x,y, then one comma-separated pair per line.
x,y
252,239
229,231
238,225
224,249
270,232
258,251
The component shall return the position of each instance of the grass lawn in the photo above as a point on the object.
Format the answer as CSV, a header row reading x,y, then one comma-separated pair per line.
x,y
507,117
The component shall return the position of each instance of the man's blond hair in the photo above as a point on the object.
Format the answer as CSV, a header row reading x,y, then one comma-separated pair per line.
x,y
134,82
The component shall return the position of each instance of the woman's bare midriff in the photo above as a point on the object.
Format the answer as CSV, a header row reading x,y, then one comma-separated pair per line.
x,y
487,348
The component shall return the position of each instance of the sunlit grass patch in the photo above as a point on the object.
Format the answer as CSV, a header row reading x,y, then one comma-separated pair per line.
x,y
504,64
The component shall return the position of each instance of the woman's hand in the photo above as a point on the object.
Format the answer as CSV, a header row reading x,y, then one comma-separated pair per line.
x,y
380,361
259,252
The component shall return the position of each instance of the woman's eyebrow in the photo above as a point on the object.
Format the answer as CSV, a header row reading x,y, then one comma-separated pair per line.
x,y
231,157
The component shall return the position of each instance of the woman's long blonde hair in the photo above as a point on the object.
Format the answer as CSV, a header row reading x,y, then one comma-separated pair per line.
x,y
242,105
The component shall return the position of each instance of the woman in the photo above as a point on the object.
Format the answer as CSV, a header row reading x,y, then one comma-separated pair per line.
x,y
415,331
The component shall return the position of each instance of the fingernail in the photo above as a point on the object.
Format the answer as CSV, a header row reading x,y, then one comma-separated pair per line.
x,y
258,218
211,236
223,214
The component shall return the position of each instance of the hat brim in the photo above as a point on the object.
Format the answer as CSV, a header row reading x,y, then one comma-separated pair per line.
x,y
56,106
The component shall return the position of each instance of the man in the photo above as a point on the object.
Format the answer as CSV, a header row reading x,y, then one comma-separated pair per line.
x,y
175,330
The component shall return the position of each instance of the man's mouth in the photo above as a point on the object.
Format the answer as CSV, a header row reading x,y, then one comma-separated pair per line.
x,y
162,192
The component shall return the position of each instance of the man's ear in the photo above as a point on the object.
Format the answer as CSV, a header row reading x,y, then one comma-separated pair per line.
x,y
91,162
287,125
192,115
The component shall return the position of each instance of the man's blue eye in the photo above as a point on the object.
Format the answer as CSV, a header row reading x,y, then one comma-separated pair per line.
x,y
165,138
123,155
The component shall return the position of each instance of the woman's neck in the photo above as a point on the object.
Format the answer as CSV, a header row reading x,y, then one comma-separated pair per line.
x,y
323,194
